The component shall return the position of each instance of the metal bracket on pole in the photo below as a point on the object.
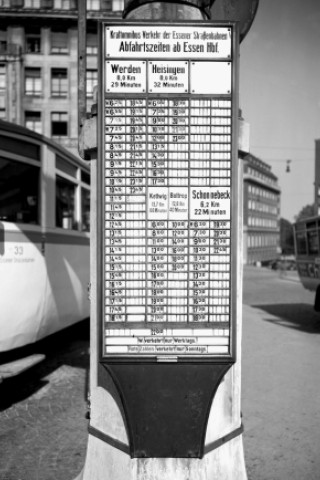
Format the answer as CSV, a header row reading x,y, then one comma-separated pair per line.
x,y
202,5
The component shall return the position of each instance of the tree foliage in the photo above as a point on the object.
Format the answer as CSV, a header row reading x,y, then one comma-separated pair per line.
x,y
305,212
286,237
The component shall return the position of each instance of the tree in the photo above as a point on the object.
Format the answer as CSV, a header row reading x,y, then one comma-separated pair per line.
x,y
286,237
305,212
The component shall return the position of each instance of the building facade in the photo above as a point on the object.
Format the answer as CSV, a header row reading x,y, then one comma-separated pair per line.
x,y
39,90
39,63
261,212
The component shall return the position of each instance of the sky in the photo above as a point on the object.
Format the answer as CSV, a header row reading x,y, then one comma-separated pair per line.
x,y
280,94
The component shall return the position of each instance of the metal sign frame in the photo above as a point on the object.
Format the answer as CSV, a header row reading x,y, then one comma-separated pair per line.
x,y
230,357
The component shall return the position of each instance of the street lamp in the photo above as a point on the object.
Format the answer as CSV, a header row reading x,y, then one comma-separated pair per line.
x,y
288,166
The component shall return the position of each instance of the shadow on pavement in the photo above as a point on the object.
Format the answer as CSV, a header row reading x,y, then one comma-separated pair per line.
x,y
67,347
300,316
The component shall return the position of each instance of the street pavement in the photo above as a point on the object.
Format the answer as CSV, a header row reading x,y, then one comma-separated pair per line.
x,y
280,378
43,425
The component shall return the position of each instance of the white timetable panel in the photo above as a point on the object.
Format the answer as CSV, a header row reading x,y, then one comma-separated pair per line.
x,y
125,76
152,41
168,77
210,77
167,196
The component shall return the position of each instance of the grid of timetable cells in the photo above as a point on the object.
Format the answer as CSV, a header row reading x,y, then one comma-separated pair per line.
x,y
161,263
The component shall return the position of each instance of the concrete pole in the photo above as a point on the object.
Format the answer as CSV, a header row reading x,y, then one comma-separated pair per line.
x,y
107,457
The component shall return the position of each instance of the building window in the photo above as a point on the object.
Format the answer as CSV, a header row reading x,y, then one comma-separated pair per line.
x,y
17,3
19,186
65,4
32,120
59,82
33,81
92,81
65,206
92,45
93,4
2,113
4,3
2,77
3,42
117,5
31,3
59,42
33,41
59,124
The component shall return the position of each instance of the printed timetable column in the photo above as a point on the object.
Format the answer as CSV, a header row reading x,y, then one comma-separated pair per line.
x,y
200,167
115,215
178,210
157,182
220,177
135,151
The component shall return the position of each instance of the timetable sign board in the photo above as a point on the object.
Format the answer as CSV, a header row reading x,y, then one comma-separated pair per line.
x,y
168,187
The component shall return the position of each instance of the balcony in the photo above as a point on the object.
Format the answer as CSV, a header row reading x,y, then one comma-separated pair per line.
x,y
9,51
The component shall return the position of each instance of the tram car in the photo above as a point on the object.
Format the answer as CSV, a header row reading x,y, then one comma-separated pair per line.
x,y
44,237
307,249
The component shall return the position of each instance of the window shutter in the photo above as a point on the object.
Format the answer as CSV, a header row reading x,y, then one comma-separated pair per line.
x,y
105,5
33,72
46,4
17,3
59,40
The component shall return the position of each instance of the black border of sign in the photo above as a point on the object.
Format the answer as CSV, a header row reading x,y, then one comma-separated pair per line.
x,y
235,204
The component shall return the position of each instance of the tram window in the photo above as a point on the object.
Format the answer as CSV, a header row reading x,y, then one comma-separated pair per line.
x,y
85,177
65,204
85,209
313,242
66,167
301,243
19,192
20,147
